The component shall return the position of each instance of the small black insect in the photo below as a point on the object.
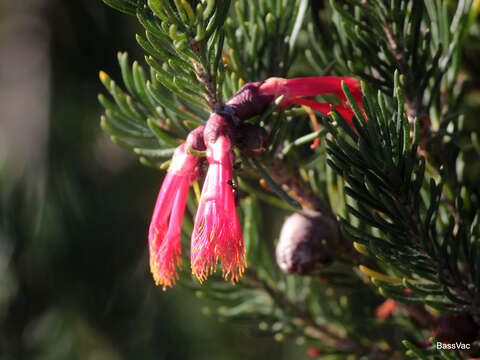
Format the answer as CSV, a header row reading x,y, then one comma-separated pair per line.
x,y
235,190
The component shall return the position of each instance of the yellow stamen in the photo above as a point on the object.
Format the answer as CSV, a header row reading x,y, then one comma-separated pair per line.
x,y
314,121
196,189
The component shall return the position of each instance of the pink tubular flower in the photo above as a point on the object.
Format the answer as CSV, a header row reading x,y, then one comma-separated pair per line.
x,y
294,91
166,224
217,235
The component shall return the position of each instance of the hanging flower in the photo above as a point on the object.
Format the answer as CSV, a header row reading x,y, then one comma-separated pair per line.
x,y
166,224
295,90
217,235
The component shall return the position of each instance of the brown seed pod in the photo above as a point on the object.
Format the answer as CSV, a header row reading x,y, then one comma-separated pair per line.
x,y
305,242
456,328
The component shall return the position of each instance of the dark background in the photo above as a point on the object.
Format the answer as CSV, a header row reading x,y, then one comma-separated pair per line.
x,y
74,210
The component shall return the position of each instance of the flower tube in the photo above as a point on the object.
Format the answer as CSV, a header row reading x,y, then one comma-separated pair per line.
x,y
217,236
166,224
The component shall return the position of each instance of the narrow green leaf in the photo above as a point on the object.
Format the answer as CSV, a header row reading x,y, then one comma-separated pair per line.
x,y
162,136
154,152
279,191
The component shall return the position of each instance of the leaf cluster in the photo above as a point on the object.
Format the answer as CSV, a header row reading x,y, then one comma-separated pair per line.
x,y
432,259
372,39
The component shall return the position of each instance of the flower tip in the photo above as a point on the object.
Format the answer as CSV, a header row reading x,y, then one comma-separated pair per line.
x,y
235,271
164,260
164,280
276,87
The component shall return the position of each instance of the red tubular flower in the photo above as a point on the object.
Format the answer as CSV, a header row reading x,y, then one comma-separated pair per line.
x,y
217,235
166,224
294,91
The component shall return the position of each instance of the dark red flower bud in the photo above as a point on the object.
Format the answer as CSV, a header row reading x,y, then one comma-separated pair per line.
x,y
251,139
305,242
456,328
248,102
218,124
195,139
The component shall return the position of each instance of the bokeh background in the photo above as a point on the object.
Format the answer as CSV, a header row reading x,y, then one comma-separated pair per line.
x,y
75,208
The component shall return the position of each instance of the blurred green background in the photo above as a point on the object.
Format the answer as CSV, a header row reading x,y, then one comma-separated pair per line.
x,y
75,208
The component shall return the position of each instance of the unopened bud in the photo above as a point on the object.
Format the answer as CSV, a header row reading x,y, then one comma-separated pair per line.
x,y
386,309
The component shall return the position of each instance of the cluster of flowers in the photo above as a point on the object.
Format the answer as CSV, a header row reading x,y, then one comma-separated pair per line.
x,y
217,235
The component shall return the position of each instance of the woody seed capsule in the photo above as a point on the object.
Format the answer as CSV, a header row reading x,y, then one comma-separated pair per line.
x,y
305,240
